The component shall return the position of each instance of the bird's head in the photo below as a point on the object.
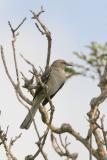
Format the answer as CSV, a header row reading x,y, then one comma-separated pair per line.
x,y
61,64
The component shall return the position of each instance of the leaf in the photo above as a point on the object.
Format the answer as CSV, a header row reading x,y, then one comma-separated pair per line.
x,y
70,70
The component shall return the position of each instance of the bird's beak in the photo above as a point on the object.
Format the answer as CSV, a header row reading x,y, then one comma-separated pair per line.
x,y
69,64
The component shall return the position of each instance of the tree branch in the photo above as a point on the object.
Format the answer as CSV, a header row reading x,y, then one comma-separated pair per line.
x,y
44,31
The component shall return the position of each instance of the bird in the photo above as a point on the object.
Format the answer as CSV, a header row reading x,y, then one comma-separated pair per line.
x,y
54,78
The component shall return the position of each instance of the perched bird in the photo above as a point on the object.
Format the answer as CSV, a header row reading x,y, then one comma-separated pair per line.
x,y
54,78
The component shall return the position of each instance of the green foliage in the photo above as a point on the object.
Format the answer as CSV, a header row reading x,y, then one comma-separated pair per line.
x,y
70,70
94,62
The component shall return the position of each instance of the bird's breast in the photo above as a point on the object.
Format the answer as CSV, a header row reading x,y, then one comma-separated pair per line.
x,y
56,79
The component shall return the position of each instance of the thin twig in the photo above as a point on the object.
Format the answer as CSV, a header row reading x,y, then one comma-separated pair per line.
x,y
44,31
59,150
12,141
28,62
14,30
3,138
13,46
6,68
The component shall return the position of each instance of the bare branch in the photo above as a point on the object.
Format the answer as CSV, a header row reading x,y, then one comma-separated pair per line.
x,y
3,138
6,68
28,62
95,102
14,30
28,84
12,141
11,80
40,12
44,31
59,150
15,139
104,132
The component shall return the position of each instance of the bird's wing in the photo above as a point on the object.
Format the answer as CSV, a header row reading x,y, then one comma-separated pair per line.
x,y
46,99
44,78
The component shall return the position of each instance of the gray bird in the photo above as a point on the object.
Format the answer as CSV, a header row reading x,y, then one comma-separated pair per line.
x,y
54,78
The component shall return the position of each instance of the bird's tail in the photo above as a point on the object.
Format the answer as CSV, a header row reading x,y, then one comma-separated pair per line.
x,y
28,119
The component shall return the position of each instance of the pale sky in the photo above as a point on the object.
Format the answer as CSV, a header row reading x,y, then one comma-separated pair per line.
x,y
73,24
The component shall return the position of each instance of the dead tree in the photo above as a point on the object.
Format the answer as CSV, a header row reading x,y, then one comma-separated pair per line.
x,y
97,63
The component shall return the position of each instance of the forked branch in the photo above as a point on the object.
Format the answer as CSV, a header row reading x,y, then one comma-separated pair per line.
x,y
44,31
